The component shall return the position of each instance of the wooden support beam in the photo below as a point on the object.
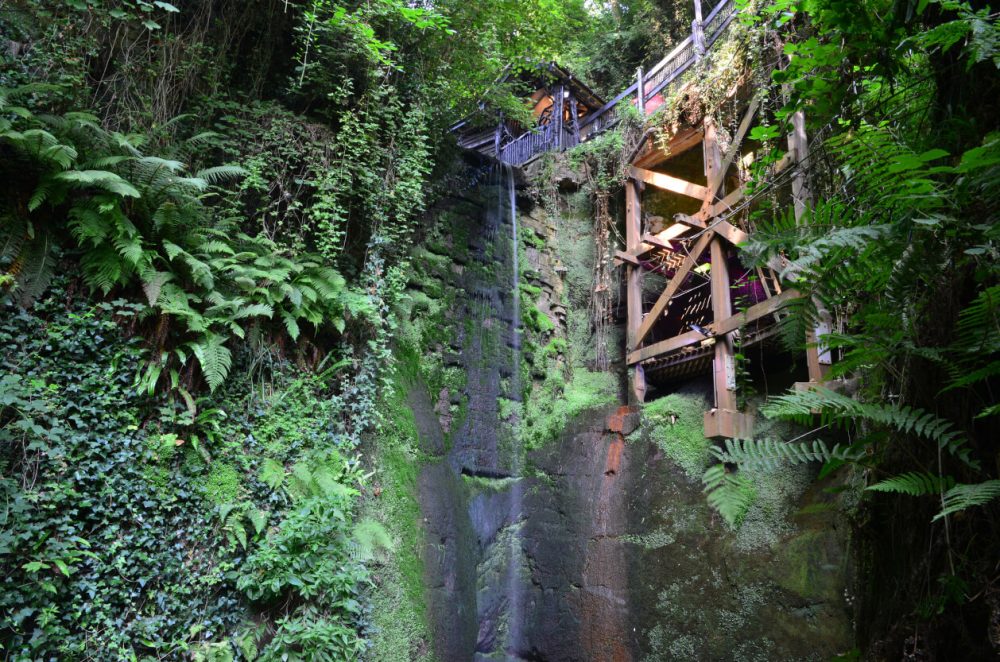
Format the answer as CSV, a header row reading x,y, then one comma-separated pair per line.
x,y
557,118
622,256
693,221
668,183
798,147
724,420
726,203
713,164
653,240
724,365
728,424
640,92
681,141
675,283
727,160
633,288
645,248
751,314
729,232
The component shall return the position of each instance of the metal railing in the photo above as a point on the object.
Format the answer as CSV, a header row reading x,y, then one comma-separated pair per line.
x,y
536,141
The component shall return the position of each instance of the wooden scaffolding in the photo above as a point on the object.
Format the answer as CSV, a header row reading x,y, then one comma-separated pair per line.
x,y
702,329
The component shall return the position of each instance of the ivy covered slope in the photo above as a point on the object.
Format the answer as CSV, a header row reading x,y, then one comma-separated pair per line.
x,y
137,527
207,213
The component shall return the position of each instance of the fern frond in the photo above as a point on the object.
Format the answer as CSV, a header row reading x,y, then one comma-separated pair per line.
x,y
152,284
837,409
214,358
13,233
103,267
914,483
272,473
964,496
731,494
291,325
369,541
102,179
254,310
770,453
38,267
220,174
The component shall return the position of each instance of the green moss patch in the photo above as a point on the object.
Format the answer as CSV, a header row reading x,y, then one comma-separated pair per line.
x,y
556,402
677,427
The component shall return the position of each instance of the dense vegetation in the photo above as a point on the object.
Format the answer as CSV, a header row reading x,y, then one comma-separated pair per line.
x,y
206,226
898,255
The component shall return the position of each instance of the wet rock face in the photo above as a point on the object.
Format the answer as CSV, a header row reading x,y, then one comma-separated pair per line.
x,y
575,520
776,589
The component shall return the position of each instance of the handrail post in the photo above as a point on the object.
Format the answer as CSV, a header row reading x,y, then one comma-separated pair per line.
x,y
698,32
640,91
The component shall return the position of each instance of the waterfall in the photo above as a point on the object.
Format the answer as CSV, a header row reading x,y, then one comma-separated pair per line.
x,y
515,583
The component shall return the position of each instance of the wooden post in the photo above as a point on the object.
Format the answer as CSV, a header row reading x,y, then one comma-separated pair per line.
x,y
798,145
558,116
633,288
640,90
725,420
496,136
724,367
574,110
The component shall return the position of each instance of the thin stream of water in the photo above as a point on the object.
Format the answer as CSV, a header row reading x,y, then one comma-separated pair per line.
x,y
515,585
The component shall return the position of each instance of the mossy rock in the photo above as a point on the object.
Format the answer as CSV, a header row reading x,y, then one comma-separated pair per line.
x,y
810,565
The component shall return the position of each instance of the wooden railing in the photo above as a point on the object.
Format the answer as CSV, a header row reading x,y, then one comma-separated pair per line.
x,y
704,33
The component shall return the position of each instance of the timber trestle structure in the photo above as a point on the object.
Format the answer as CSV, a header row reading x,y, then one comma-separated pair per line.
x,y
689,329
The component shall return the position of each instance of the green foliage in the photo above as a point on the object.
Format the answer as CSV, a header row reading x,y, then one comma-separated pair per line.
x,y
772,453
914,484
143,222
732,494
837,409
556,403
961,497
96,550
115,502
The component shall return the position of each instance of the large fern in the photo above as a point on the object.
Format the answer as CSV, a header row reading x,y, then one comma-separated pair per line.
x,y
771,453
914,484
965,496
838,409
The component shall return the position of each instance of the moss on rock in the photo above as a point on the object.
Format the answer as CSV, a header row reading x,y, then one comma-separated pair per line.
x,y
677,428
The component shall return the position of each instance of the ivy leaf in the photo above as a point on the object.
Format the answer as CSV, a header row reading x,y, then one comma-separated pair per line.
x,y
166,6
